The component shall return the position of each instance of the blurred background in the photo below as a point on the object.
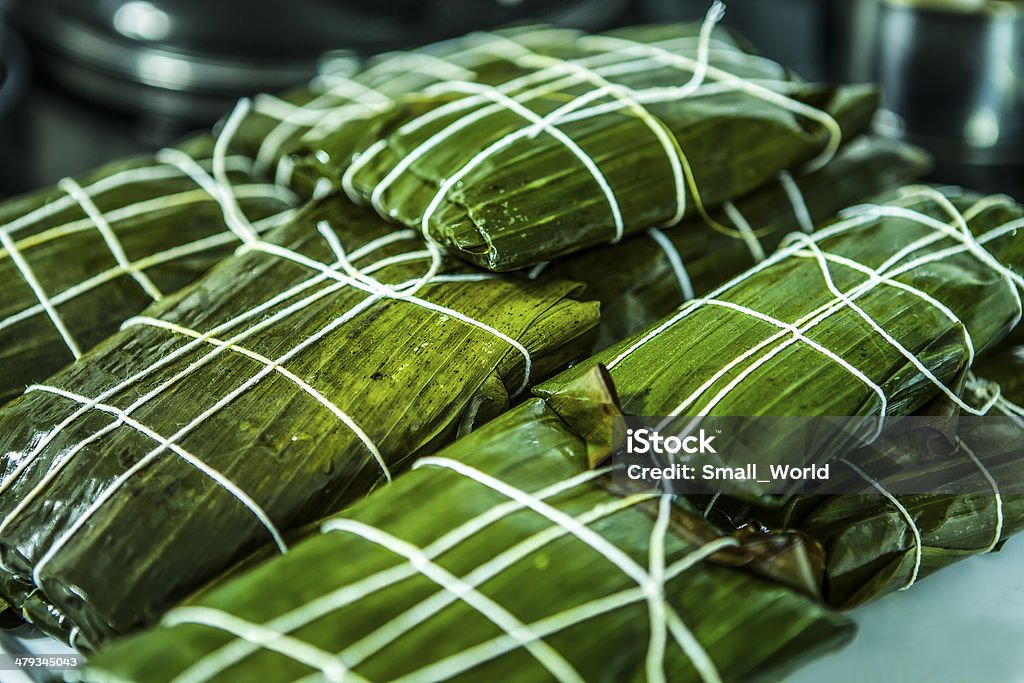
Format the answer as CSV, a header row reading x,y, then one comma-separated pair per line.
x,y
84,82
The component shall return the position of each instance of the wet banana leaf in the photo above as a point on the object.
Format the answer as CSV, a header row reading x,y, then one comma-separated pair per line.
x,y
502,558
588,139
78,259
346,98
875,315
297,376
925,504
646,277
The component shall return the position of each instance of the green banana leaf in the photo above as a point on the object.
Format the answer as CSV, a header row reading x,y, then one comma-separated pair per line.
x,y
502,558
876,315
78,259
279,388
345,97
587,139
646,277
970,502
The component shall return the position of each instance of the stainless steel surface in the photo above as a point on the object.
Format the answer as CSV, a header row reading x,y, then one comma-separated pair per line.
x,y
951,72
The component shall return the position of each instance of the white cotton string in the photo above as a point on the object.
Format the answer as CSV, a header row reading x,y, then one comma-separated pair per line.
x,y
968,241
216,190
795,334
459,663
152,206
233,216
106,184
329,666
676,261
997,533
367,100
655,590
579,70
547,656
796,199
211,664
94,403
758,91
109,237
284,372
37,288
322,188
624,95
536,271
711,505
408,294
697,654
387,634
547,124
191,426
907,517
819,256
940,231
746,232
164,444
181,351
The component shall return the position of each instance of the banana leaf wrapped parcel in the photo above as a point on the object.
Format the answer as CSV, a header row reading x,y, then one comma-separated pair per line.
x,y
652,274
80,258
345,98
875,315
290,381
501,558
922,508
586,140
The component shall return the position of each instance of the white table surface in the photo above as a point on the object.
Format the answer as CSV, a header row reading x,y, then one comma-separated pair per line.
x,y
964,624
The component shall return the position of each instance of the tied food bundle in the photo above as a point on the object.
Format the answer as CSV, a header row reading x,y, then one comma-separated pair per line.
x,y
331,392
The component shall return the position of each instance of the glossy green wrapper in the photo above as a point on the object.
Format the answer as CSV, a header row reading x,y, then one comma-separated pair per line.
x,y
77,260
501,557
296,377
648,276
814,329
969,501
640,128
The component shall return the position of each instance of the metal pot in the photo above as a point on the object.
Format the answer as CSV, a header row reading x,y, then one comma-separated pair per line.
x,y
193,58
13,80
951,73
792,32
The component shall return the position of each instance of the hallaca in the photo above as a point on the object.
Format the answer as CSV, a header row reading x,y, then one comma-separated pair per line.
x,y
290,381
875,315
647,276
921,508
345,98
588,139
501,558
78,259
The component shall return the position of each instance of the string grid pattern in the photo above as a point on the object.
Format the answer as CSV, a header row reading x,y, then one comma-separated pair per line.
x,y
325,280
337,98
549,77
279,634
903,261
24,233
807,247
994,404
